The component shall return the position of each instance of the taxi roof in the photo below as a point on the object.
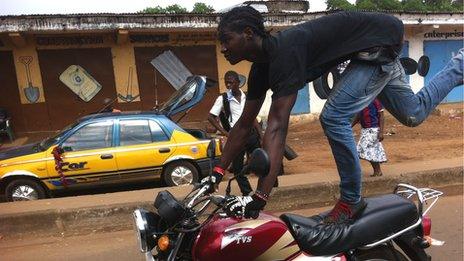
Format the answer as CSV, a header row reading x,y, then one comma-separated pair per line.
x,y
112,115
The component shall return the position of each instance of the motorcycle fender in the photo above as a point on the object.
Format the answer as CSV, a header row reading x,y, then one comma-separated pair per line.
x,y
409,243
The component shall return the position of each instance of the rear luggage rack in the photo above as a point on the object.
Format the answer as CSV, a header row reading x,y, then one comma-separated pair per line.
x,y
425,196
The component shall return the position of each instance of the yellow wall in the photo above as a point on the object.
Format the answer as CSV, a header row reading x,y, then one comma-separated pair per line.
x,y
122,50
242,68
28,52
123,59
123,62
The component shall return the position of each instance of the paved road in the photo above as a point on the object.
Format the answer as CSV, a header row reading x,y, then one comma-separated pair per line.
x,y
447,225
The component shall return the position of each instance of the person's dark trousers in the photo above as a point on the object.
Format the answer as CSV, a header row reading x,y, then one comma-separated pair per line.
x,y
237,165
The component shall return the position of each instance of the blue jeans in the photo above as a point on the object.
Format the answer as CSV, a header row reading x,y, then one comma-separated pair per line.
x,y
359,85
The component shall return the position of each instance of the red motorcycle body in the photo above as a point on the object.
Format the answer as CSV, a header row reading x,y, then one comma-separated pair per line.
x,y
264,238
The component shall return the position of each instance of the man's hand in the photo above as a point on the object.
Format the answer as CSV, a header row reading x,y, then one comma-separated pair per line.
x,y
214,179
245,206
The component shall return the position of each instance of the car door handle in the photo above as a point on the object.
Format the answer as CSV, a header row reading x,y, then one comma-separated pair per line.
x,y
106,156
164,150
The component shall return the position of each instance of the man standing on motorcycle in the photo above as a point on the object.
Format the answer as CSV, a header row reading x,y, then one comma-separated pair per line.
x,y
285,62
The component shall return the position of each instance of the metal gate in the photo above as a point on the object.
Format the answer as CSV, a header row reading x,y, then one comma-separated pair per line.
x,y
440,52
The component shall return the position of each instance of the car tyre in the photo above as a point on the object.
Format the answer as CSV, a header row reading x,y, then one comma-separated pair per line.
x,y
180,173
24,190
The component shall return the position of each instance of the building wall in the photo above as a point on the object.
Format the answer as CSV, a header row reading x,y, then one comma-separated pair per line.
x,y
119,61
415,35
36,63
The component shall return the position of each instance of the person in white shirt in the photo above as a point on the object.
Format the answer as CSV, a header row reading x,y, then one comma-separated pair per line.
x,y
224,114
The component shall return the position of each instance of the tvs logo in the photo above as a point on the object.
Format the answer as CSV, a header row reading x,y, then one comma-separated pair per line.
x,y
243,239
237,236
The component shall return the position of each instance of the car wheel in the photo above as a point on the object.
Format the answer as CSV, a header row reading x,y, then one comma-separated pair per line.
x,y
24,190
180,173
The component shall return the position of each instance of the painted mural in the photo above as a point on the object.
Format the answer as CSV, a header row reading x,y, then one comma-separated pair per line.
x,y
80,82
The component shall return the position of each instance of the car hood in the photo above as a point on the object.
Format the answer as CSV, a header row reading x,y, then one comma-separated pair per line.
x,y
18,151
189,95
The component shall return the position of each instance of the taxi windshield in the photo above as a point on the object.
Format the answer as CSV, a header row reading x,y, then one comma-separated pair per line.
x,y
47,142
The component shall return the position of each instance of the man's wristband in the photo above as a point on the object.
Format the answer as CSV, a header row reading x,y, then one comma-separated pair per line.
x,y
261,195
219,170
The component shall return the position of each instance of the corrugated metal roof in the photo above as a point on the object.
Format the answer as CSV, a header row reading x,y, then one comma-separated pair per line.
x,y
212,14
112,21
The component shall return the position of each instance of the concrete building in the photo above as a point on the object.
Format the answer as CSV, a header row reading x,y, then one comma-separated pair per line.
x,y
38,52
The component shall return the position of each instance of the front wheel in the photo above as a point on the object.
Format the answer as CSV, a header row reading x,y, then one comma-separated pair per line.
x,y
24,190
381,253
180,173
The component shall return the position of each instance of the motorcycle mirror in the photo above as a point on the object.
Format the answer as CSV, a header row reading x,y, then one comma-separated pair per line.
x,y
409,65
423,65
211,150
259,163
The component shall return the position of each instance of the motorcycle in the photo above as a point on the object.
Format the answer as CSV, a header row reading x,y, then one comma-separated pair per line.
x,y
198,228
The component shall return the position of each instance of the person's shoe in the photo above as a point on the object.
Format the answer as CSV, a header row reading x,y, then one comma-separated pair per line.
x,y
344,211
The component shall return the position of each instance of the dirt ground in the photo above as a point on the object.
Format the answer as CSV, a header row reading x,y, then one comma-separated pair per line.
x,y
440,136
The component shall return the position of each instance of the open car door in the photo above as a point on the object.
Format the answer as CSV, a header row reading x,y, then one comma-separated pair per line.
x,y
189,95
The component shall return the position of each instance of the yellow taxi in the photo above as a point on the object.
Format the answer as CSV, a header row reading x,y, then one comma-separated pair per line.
x,y
108,148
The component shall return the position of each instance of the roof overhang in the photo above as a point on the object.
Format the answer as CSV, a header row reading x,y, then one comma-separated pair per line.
x,y
177,22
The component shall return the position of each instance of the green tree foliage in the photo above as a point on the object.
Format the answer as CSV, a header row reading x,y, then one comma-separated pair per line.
x,y
366,5
414,5
339,4
154,10
202,8
443,5
172,9
176,9
388,4
398,5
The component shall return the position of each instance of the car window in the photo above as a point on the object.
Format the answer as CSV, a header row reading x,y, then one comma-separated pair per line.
x,y
157,133
132,132
92,136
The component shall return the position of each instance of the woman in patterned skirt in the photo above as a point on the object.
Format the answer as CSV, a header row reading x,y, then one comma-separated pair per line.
x,y
370,143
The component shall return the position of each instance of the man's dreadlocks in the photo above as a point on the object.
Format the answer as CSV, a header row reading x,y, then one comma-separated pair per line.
x,y
241,17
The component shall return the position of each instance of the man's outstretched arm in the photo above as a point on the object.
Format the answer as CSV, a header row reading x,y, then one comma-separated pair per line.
x,y
274,138
238,135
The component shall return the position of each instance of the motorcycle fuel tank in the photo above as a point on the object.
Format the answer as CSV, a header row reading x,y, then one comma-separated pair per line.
x,y
264,238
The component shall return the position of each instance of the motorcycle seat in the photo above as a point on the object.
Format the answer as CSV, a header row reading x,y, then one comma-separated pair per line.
x,y
382,217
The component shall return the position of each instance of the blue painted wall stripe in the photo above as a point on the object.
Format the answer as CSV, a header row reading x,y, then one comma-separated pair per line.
x,y
302,101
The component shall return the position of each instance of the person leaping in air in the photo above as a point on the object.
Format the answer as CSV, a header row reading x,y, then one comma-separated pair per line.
x,y
286,61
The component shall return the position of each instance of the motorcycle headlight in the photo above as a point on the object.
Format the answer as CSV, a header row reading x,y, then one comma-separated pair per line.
x,y
142,229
